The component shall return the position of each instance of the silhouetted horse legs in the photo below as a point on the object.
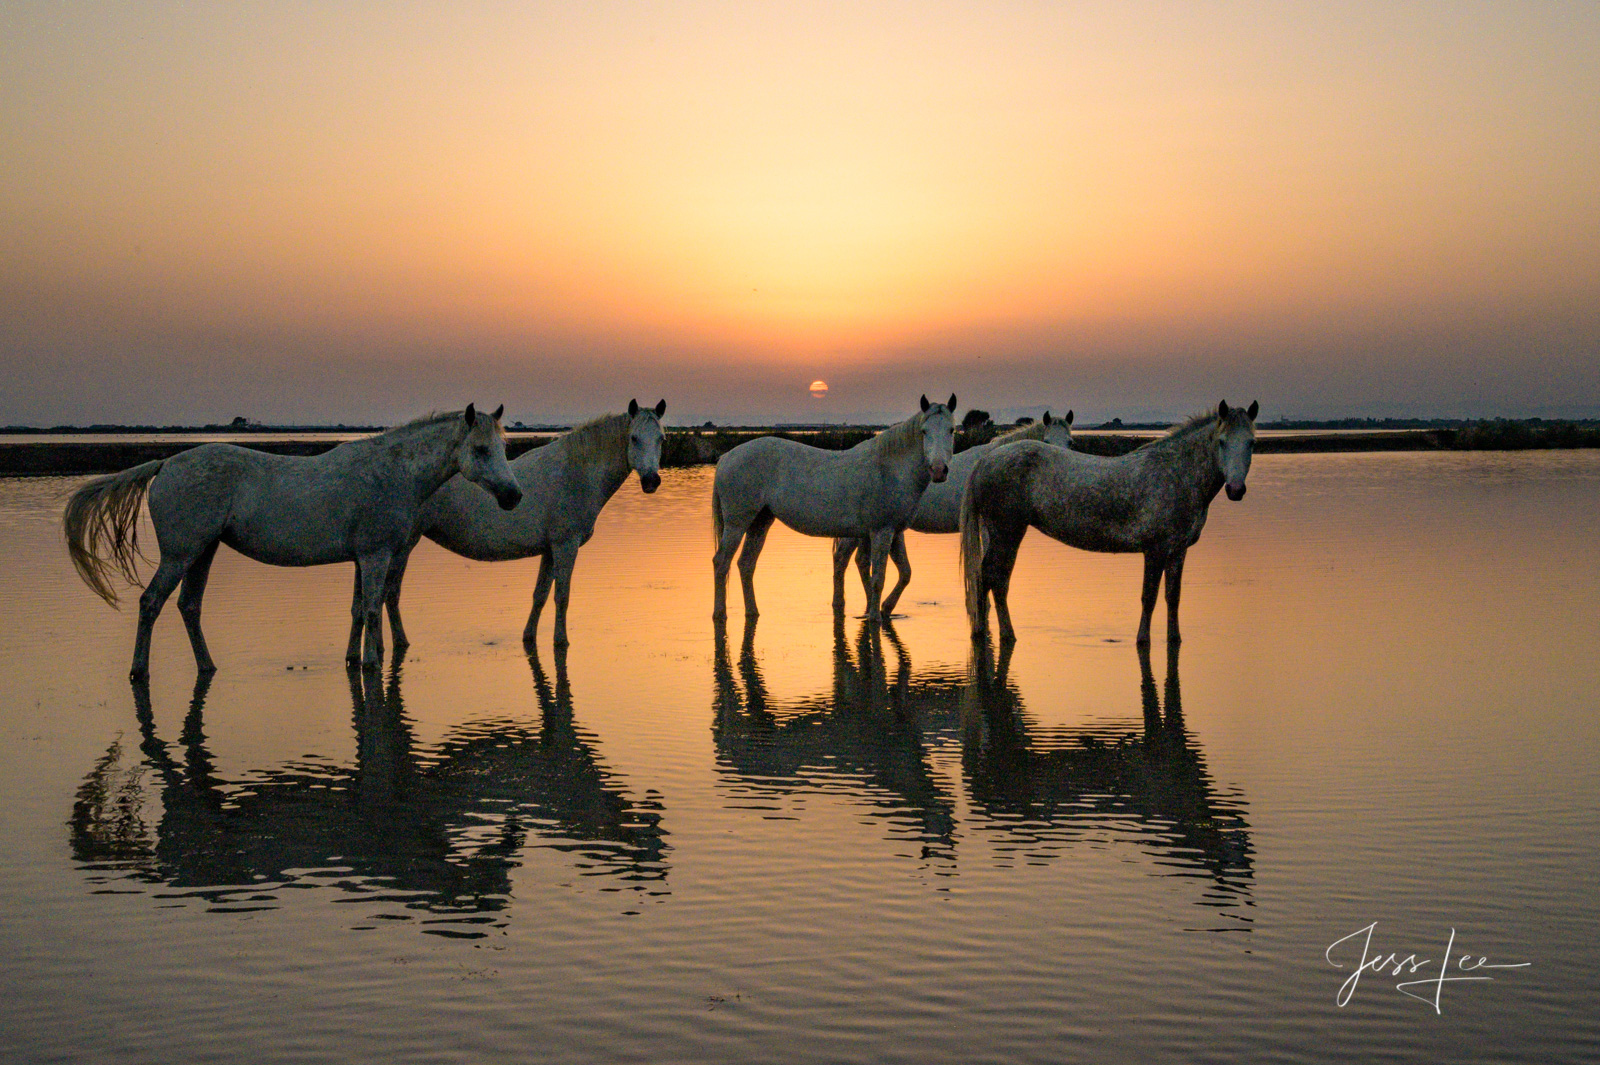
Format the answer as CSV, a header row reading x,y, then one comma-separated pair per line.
x,y
1155,565
755,537
194,589
998,561
161,585
541,592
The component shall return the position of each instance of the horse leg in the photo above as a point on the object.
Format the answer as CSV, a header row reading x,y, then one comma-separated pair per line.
x,y
161,585
1174,589
755,537
882,540
374,580
358,613
902,566
731,535
843,548
998,562
1153,565
864,565
541,592
193,590
391,597
562,558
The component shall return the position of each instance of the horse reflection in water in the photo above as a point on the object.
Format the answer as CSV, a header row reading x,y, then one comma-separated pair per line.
x,y
1032,790
1053,785
863,732
437,831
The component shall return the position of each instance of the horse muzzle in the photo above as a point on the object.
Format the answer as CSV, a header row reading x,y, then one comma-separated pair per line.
x,y
1235,493
649,482
938,473
509,498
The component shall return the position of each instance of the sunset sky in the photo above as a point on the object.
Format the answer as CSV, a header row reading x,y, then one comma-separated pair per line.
x,y
359,212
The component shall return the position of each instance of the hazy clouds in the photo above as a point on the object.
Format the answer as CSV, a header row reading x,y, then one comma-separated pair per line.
x,y
302,214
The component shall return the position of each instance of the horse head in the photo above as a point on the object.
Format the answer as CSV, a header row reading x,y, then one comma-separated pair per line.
x,y
481,457
1058,431
938,436
644,443
1235,441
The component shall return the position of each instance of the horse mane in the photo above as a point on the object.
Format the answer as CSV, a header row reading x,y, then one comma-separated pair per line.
x,y
599,440
1184,430
901,436
1194,423
434,417
1031,431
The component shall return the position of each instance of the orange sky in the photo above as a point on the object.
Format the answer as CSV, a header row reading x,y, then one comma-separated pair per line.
x,y
293,213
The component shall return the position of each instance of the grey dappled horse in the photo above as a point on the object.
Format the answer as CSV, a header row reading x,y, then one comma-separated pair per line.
x,y
869,491
356,502
565,485
1153,500
939,510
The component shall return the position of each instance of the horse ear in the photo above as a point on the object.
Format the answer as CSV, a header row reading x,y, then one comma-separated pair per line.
x,y
1046,418
501,409
1255,405
1069,417
952,404
661,408
633,407
925,403
471,415
1222,409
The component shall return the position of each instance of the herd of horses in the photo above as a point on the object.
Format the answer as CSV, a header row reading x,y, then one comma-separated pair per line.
x,y
370,502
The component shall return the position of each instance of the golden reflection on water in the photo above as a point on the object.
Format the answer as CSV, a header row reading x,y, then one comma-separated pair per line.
x,y
1385,710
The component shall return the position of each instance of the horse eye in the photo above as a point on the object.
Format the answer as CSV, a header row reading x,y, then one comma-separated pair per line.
x,y
481,451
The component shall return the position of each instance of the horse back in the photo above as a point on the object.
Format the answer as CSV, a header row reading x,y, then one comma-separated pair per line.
x,y
1098,503
813,490
282,509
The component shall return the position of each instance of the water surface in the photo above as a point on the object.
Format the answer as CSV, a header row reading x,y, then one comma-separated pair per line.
x,y
815,840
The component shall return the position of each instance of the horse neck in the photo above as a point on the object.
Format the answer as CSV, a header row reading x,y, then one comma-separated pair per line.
x,y
599,451
1194,460
427,451
900,445
1031,431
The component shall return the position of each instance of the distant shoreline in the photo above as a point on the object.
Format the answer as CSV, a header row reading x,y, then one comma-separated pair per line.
x,y
696,447
241,426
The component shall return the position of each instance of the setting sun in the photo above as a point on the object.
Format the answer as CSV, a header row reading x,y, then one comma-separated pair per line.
x,y
819,388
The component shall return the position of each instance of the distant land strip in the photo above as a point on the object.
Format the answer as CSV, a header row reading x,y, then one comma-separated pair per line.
x,y
43,456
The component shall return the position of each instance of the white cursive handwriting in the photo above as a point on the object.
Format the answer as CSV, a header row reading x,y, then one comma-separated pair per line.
x,y
1410,965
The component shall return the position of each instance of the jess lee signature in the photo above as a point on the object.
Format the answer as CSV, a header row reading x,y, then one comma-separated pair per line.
x,y
1432,986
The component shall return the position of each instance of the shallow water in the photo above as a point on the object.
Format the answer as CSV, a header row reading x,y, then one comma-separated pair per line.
x,y
817,841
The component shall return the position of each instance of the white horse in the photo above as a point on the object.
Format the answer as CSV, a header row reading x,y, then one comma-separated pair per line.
x,y
565,484
357,502
868,491
1153,500
940,508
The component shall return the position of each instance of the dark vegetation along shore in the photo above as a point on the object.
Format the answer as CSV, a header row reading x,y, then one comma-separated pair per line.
x,y
41,455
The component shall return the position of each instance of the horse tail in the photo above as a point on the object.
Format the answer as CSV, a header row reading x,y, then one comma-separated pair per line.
x,y
102,527
716,515
972,548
